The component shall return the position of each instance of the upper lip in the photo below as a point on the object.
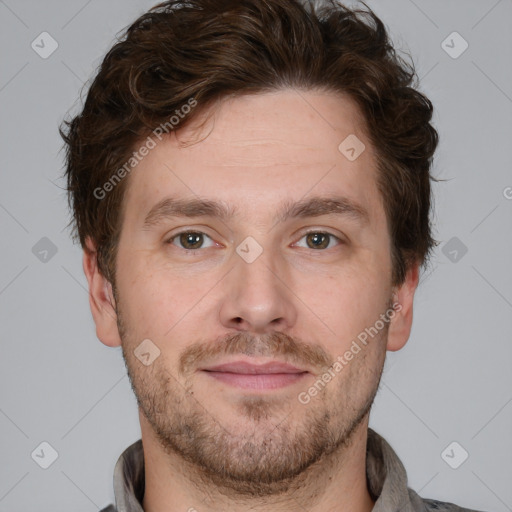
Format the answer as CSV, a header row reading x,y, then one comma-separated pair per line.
x,y
244,367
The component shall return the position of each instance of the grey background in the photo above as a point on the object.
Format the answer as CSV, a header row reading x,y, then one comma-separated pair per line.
x,y
452,381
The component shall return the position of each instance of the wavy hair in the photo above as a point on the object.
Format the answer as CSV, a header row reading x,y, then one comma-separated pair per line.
x,y
211,49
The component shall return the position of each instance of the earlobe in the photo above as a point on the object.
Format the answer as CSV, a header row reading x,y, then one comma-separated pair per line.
x,y
101,298
401,323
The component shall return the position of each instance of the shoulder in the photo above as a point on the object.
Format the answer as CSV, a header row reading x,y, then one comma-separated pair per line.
x,y
110,508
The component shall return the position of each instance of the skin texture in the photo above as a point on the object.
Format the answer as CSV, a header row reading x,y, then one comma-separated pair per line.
x,y
210,445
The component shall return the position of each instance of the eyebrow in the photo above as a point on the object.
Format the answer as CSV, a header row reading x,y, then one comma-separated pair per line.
x,y
311,207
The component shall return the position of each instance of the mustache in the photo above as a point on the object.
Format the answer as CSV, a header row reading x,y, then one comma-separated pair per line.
x,y
267,345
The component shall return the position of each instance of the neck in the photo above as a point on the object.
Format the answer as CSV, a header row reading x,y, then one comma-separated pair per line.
x,y
335,483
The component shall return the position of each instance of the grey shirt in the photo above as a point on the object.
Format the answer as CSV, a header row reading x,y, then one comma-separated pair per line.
x,y
386,479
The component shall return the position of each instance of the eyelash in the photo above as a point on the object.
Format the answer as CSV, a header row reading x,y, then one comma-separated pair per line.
x,y
177,235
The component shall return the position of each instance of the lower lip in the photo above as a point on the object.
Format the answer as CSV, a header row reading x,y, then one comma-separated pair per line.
x,y
258,381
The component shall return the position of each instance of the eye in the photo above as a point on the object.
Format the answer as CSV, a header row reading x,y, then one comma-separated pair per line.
x,y
320,240
190,240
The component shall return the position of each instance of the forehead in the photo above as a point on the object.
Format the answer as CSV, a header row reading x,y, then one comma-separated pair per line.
x,y
256,150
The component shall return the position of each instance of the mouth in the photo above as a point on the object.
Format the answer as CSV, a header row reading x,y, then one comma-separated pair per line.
x,y
245,375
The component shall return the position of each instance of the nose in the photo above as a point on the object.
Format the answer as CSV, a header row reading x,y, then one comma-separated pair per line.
x,y
258,296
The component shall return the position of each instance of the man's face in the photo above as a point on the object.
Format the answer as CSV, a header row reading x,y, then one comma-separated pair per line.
x,y
202,292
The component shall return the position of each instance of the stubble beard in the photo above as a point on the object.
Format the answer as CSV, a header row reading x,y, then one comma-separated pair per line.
x,y
277,454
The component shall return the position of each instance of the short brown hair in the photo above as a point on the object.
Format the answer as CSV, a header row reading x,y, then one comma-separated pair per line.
x,y
210,49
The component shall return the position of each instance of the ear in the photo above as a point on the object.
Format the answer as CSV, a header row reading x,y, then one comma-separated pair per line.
x,y
401,323
101,298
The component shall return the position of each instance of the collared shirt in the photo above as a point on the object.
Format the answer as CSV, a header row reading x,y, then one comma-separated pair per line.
x,y
386,479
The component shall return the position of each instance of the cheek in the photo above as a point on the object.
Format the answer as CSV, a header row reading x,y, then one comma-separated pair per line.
x,y
142,296
347,304
158,302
